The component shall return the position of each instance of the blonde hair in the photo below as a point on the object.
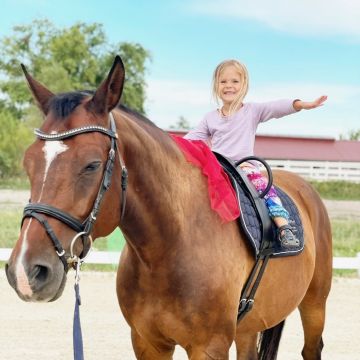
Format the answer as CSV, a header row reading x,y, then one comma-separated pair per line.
x,y
244,75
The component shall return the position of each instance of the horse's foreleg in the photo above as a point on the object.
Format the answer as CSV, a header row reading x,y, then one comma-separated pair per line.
x,y
215,349
145,351
313,319
246,346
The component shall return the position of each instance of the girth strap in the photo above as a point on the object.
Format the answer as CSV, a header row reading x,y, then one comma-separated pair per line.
x,y
248,294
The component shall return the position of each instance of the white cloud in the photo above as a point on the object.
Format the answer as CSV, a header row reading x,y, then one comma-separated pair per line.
x,y
338,115
338,95
303,17
168,100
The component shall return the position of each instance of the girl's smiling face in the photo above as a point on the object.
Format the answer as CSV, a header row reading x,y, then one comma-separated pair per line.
x,y
229,85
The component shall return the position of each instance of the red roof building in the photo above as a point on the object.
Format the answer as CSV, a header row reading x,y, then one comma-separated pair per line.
x,y
306,148
311,157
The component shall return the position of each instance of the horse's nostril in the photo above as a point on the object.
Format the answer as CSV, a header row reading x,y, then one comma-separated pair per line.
x,y
40,273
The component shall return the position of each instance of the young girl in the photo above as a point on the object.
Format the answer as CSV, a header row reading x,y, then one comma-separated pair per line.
x,y
230,130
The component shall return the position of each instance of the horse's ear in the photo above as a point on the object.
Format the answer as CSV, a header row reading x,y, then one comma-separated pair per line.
x,y
39,91
109,92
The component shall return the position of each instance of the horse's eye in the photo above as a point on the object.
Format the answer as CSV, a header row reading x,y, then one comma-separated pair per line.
x,y
92,167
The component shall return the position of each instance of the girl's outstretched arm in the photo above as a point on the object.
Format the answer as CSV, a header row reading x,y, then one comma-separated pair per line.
x,y
307,105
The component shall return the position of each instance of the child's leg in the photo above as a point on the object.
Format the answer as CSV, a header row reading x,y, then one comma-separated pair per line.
x,y
277,212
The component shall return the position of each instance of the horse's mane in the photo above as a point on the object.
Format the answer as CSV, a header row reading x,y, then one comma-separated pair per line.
x,y
63,104
136,114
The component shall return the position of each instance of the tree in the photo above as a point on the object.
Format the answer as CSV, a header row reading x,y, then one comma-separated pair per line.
x,y
64,59
182,124
352,135
73,58
14,138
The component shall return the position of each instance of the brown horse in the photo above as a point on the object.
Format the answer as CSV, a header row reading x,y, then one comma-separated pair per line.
x,y
182,270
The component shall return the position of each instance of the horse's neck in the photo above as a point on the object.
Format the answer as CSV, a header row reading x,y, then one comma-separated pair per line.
x,y
160,191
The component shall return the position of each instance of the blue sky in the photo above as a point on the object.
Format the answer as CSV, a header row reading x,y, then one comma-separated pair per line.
x,y
293,49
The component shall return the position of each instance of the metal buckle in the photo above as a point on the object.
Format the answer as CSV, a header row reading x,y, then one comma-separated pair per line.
x,y
60,254
242,305
245,305
249,305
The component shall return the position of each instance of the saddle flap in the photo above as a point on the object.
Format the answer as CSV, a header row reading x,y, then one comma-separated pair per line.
x,y
254,217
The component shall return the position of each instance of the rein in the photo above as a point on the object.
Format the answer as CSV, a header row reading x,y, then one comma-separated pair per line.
x,y
83,229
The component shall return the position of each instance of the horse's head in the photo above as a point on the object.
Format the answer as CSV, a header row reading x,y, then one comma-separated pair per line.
x,y
69,167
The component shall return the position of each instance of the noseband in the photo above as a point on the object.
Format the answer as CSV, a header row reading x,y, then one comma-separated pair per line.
x,y
82,229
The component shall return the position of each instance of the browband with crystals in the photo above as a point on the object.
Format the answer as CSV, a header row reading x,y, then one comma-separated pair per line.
x,y
69,133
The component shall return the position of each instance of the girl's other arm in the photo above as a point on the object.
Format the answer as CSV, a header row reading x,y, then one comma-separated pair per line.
x,y
201,132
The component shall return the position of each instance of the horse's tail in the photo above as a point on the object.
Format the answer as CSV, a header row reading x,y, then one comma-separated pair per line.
x,y
269,342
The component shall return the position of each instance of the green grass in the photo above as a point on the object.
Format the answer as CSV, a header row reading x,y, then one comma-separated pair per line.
x,y
331,190
10,227
345,273
17,183
337,190
346,235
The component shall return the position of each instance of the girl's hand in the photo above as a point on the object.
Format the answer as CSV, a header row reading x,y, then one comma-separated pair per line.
x,y
307,105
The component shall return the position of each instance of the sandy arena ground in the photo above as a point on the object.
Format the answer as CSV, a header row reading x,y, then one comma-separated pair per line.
x,y
44,331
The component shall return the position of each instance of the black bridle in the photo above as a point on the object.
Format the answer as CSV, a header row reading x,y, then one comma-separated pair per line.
x,y
83,229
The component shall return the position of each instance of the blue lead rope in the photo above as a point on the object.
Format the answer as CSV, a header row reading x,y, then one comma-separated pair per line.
x,y
77,334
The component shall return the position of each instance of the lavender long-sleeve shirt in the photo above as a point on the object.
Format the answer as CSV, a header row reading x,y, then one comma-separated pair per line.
x,y
234,136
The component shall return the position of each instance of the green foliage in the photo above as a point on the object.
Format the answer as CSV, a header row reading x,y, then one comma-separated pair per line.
x,y
351,135
181,124
15,136
64,59
337,190
73,58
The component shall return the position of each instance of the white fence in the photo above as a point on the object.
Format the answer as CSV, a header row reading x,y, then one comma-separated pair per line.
x,y
320,170
111,257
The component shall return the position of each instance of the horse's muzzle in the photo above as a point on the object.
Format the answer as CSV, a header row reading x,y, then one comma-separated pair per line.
x,y
42,283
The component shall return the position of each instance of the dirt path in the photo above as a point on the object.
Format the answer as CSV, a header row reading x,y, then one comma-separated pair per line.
x,y
44,331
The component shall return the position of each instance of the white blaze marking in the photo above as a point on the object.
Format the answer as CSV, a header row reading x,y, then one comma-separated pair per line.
x,y
21,278
51,150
